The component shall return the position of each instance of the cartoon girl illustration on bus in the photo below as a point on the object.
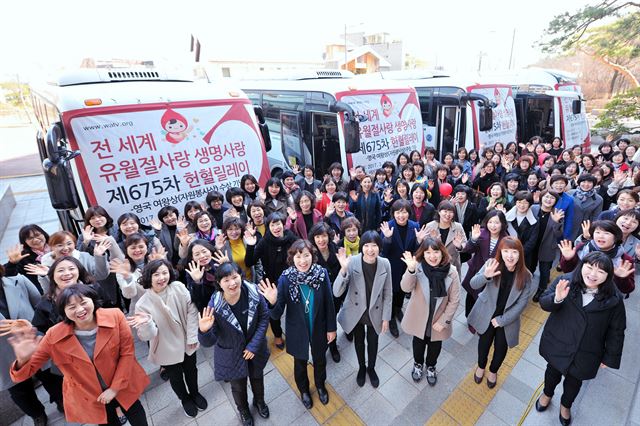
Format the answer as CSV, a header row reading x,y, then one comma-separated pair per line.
x,y
176,125
386,105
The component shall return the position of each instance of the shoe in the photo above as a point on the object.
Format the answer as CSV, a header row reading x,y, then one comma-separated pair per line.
x,y
40,420
335,354
563,421
60,406
200,402
190,408
246,417
373,377
471,329
416,373
123,420
279,345
164,375
477,379
393,328
432,376
539,407
536,297
362,374
306,400
491,384
399,315
349,336
323,395
263,409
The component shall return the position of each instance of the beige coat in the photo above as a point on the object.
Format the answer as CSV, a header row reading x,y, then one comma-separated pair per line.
x,y
173,324
417,312
454,253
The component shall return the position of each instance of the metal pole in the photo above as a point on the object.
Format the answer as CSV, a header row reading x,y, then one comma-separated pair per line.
x,y
513,39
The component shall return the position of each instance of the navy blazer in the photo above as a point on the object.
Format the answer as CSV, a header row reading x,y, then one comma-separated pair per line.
x,y
367,211
392,249
324,319
230,341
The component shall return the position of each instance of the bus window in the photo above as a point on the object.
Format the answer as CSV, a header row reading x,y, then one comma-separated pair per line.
x,y
291,138
425,97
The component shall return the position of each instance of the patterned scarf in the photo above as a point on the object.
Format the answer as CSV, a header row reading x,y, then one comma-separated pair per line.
x,y
583,195
352,248
314,277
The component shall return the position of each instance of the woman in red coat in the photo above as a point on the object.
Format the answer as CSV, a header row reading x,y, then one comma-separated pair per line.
x,y
94,349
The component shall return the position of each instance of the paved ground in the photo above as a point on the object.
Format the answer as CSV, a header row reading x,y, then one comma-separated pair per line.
x,y
611,399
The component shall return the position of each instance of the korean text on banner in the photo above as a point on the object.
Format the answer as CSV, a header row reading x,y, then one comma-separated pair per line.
x,y
504,116
575,127
143,160
390,123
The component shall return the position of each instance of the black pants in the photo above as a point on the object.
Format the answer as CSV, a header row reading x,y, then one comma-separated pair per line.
x,y
337,304
468,304
545,273
372,344
276,327
433,351
24,393
240,395
570,386
185,371
496,337
135,414
300,373
398,300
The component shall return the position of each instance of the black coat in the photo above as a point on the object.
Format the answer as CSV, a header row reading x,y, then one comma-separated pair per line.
x,y
482,183
367,211
471,217
13,269
427,214
324,320
576,340
272,252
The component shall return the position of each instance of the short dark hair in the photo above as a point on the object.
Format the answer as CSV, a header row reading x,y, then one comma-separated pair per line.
x,y
433,244
350,222
340,196
319,229
166,211
187,207
587,177
214,196
299,246
371,237
274,217
151,267
556,178
76,290
524,195
98,211
27,230
199,242
400,205
233,192
198,215
304,193
246,178
607,226
233,221
226,269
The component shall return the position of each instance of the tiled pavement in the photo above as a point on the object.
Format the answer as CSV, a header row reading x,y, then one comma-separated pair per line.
x,y
610,399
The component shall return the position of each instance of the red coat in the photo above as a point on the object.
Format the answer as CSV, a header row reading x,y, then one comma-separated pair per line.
x,y
298,227
114,358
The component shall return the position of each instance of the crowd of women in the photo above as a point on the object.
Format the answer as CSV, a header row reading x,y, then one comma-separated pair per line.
x,y
373,253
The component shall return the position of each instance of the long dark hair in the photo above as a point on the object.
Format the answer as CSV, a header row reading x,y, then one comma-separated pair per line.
x,y
501,217
83,275
282,195
433,244
521,272
601,261
26,231
131,240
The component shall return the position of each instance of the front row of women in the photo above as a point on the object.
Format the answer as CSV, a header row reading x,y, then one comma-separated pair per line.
x,y
585,330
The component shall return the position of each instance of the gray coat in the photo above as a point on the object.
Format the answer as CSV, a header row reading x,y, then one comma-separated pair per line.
x,y
22,296
588,209
355,303
482,312
549,244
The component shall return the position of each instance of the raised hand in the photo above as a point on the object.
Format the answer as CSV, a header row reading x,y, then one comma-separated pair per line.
x,y
625,269
566,249
156,254
87,234
458,238
492,269
483,172
586,225
220,240
536,197
318,194
421,234
435,234
138,319
410,260
501,208
386,230
431,184
102,247
195,271
219,258
343,259
249,237
119,266
619,176
353,195
36,269
184,237
557,215
352,173
475,232
182,224
156,224
562,289
295,169
331,208
465,178
262,194
638,251
292,214
206,319
15,254
388,195
24,344
9,326
268,290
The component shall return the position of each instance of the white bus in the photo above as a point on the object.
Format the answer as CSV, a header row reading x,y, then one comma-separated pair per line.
x,y
459,111
549,103
321,117
137,140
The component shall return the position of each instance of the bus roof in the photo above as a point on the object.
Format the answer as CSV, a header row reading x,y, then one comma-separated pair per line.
x,y
530,77
129,87
420,79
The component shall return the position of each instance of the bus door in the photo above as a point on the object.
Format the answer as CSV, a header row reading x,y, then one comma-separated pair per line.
x,y
449,132
292,141
326,143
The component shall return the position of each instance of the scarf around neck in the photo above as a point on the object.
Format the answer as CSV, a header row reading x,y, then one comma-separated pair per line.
x,y
583,195
436,276
314,277
352,248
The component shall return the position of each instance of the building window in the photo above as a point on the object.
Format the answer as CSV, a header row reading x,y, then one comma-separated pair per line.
x,y
226,72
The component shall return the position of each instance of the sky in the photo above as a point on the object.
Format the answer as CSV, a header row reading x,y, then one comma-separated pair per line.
x,y
48,36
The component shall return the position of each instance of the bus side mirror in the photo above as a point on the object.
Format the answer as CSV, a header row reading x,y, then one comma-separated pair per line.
x,y
264,129
352,136
485,119
576,106
57,172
